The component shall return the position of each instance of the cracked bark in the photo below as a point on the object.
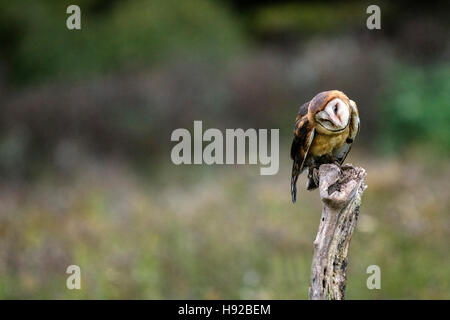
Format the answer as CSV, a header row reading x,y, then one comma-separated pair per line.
x,y
340,192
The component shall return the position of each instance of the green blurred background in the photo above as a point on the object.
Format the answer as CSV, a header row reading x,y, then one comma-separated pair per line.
x,y
85,124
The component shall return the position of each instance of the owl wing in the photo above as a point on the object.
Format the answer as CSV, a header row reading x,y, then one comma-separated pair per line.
x,y
303,138
343,151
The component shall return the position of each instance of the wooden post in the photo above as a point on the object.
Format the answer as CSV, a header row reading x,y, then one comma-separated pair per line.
x,y
340,192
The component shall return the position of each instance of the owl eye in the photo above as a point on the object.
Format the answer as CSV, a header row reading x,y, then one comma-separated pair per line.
x,y
335,108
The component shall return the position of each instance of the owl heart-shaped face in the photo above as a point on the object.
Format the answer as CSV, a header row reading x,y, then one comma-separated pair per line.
x,y
335,116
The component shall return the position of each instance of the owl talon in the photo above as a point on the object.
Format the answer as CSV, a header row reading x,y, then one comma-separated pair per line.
x,y
316,176
337,163
313,179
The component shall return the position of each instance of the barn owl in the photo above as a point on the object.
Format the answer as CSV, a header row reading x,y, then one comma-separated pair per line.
x,y
324,131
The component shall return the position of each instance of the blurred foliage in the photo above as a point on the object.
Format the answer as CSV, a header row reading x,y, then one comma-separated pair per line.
x,y
416,109
124,33
307,18
217,233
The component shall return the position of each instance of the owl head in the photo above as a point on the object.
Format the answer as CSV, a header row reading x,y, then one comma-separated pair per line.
x,y
330,111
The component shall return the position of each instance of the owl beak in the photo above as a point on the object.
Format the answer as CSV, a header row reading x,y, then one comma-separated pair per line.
x,y
336,120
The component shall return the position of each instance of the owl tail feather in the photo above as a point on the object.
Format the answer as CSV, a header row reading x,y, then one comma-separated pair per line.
x,y
295,173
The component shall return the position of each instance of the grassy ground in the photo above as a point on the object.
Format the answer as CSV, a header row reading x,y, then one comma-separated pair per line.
x,y
217,233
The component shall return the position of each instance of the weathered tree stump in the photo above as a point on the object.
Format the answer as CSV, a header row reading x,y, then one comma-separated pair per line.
x,y
340,192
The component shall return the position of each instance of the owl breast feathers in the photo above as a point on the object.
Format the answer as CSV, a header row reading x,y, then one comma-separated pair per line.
x,y
324,131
